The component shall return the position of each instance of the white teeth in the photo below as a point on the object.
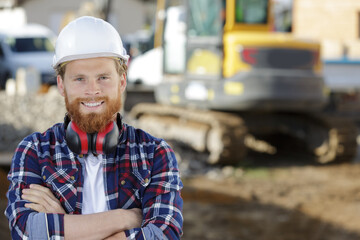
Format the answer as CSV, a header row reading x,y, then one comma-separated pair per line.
x,y
92,104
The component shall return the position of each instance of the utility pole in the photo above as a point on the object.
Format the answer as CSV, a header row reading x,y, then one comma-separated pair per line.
x,y
103,8
106,9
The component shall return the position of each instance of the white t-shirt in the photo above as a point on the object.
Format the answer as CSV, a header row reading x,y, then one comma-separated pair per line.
x,y
94,200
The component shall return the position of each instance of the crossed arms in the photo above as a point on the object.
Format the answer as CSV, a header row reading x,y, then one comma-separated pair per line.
x,y
105,225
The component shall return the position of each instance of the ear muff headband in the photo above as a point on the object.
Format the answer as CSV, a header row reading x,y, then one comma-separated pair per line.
x,y
106,141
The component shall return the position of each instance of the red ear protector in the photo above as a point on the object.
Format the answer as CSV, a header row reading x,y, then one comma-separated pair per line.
x,y
80,142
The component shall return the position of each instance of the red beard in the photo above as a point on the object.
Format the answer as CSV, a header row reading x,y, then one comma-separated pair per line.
x,y
93,122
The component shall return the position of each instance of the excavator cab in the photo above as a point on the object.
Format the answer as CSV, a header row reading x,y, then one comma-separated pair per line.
x,y
205,33
224,55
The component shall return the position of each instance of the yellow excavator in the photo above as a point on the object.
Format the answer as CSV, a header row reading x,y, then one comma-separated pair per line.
x,y
231,84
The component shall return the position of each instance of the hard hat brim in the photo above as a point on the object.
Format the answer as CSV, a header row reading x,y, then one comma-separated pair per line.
x,y
87,56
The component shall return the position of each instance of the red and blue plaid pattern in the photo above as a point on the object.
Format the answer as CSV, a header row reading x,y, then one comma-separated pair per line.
x,y
142,173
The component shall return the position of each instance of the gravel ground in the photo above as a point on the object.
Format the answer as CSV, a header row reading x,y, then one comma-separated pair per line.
x,y
280,203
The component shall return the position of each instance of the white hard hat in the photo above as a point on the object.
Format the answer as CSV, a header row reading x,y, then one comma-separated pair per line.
x,y
88,37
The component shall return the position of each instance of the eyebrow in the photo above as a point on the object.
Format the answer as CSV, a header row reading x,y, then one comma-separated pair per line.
x,y
77,76
84,75
103,74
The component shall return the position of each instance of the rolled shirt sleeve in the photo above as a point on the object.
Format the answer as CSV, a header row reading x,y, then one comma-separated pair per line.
x,y
36,226
42,226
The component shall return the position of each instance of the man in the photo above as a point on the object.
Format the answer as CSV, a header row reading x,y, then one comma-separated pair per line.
x,y
74,181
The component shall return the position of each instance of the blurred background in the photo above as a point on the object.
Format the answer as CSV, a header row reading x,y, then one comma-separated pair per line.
x,y
259,99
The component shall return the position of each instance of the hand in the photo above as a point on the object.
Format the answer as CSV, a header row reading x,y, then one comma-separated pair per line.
x,y
42,199
117,236
134,218
113,224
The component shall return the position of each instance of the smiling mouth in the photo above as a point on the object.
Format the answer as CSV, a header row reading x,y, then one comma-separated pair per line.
x,y
92,104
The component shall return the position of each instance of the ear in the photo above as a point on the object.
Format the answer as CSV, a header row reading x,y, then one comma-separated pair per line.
x,y
60,85
123,82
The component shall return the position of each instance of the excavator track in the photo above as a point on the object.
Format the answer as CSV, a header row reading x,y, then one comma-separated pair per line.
x,y
326,137
227,137
341,145
219,134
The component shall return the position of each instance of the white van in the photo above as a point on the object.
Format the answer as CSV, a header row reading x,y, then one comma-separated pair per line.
x,y
27,46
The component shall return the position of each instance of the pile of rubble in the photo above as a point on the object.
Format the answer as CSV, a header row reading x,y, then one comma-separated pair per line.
x,y
24,114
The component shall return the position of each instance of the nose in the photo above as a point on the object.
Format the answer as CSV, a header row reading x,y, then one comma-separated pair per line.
x,y
92,88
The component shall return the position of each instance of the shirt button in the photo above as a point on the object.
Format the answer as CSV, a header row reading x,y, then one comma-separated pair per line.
x,y
146,180
123,182
44,177
81,155
72,178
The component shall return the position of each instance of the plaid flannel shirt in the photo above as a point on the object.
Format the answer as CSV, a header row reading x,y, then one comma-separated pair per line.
x,y
142,173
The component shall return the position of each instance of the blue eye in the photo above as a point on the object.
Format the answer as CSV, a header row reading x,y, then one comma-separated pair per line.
x,y
103,78
78,79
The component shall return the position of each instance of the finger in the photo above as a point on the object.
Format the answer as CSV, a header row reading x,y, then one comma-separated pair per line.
x,y
36,207
43,189
34,198
136,210
35,195
43,205
43,196
39,197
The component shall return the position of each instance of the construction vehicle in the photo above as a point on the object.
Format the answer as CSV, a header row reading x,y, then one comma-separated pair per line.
x,y
231,84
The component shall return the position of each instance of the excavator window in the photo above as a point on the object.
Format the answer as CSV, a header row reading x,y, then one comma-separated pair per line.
x,y
204,38
251,11
204,18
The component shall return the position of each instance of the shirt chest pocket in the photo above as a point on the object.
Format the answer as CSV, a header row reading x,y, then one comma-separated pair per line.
x,y
131,188
63,183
